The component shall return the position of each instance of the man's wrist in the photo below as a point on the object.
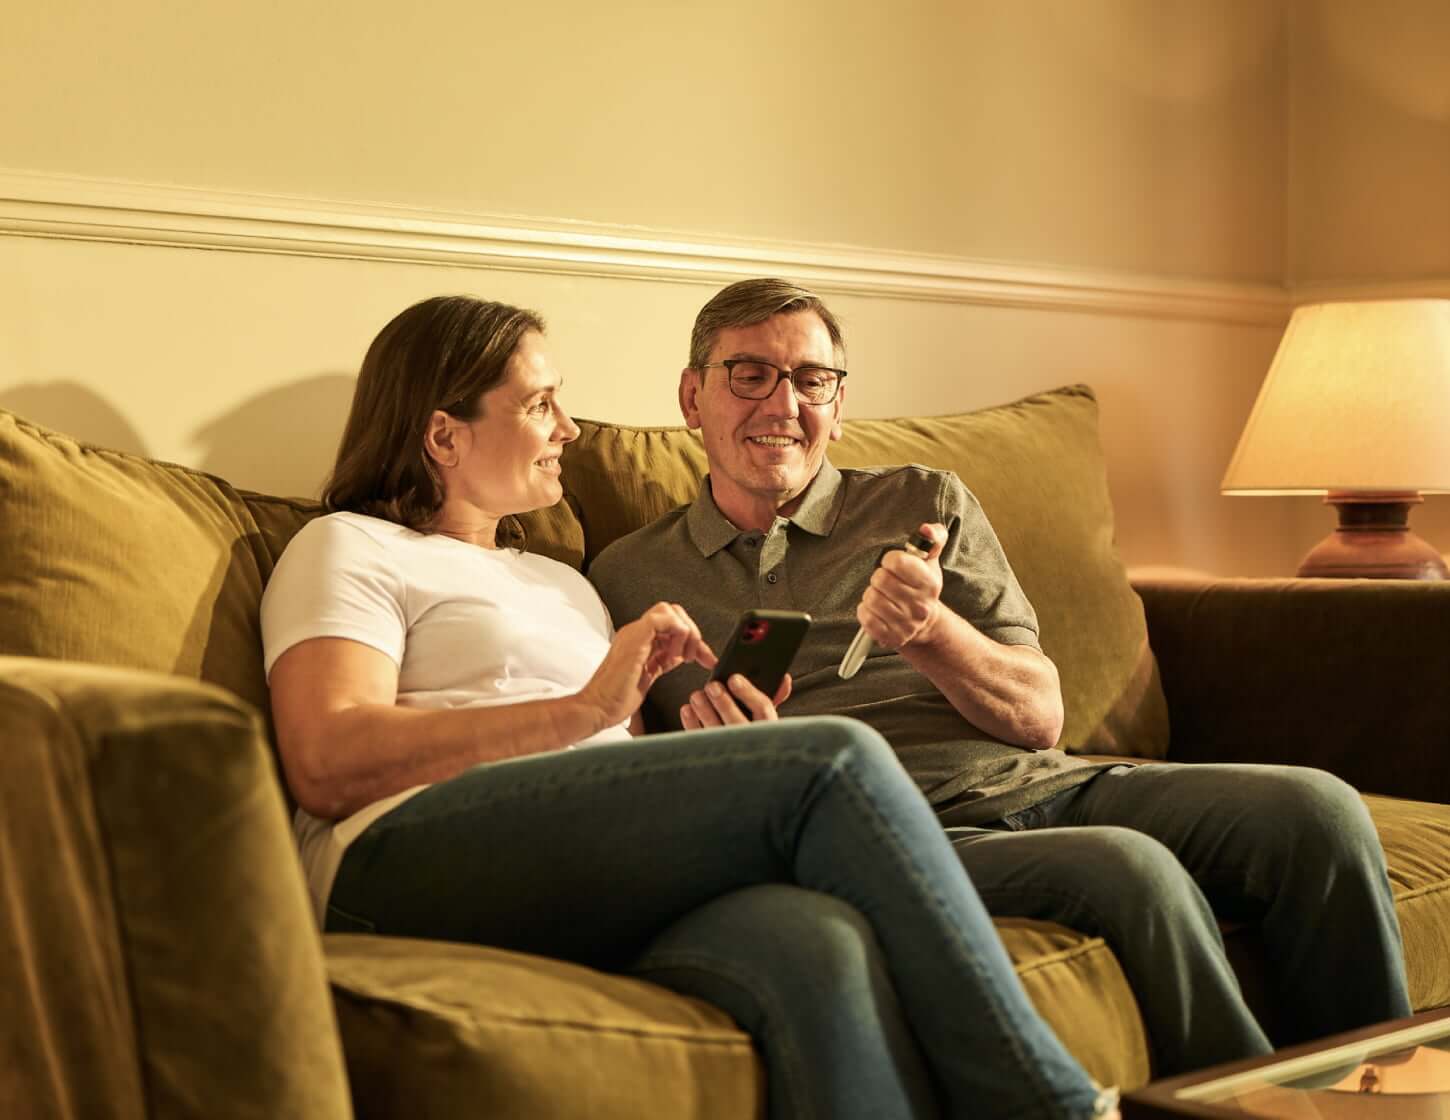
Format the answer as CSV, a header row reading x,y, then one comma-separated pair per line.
x,y
930,634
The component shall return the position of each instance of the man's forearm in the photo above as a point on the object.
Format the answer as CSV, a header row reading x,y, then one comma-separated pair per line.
x,y
1010,692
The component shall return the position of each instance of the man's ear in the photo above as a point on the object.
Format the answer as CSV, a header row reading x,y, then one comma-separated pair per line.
x,y
839,404
438,439
691,384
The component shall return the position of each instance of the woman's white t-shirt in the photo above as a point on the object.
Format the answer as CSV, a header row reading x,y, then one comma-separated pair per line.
x,y
466,627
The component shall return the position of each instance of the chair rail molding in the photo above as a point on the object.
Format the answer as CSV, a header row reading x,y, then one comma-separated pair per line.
x,y
42,205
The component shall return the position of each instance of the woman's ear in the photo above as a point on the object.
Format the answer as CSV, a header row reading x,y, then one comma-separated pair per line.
x,y
439,442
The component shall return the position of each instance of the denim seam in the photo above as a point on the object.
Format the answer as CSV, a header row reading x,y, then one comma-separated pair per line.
x,y
881,825
780,1041
594,776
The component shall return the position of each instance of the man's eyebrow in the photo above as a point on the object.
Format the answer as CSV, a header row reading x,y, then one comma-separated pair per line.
x,y
746,356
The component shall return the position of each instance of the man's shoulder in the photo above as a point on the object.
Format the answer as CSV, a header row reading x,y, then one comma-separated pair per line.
x,y
899,474
906,481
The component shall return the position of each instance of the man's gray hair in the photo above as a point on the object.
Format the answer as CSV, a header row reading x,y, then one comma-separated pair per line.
x,y
747,302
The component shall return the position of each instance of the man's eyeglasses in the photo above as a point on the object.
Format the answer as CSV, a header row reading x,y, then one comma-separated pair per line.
x,y
755,381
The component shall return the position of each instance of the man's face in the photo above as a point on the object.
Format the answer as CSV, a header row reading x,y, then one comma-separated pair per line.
x,y
763,454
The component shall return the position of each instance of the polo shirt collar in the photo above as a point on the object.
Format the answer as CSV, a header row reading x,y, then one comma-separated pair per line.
x,y
711,530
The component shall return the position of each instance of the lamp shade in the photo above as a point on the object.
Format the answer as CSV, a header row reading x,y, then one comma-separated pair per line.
x,y
1357,400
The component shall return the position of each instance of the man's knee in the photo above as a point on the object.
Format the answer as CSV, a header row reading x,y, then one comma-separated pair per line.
x,y
1314,809
1138,870
1108,871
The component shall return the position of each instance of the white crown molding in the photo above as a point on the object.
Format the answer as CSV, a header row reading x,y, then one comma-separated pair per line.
x,y
50,206
1424,288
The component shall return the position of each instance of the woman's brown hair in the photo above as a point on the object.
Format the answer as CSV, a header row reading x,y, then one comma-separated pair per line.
x,y
443,353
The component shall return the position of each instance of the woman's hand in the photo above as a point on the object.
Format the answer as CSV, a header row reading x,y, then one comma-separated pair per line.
x,y
661,639
713,705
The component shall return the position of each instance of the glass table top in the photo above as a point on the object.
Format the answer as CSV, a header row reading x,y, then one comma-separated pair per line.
x,y
1401,1073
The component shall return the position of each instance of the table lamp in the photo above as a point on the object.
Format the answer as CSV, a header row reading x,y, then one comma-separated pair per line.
x,y
1356,406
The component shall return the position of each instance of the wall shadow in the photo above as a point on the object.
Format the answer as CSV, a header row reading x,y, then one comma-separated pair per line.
x,y
76,411
282,441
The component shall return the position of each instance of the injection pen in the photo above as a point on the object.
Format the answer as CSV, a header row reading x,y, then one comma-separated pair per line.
x,y
918,544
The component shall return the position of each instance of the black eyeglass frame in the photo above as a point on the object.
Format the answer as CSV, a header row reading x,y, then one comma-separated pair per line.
x,y
729,364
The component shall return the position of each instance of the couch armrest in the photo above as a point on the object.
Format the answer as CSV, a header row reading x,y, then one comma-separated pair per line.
x,y
157,949
1347,675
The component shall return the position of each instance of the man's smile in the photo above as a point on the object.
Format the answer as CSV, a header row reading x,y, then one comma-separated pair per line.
x,y
773,441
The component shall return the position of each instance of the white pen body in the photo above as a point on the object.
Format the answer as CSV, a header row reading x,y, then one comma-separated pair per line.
x,y
860,646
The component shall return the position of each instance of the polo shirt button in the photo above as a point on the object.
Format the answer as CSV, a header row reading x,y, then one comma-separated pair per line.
x,y
771,577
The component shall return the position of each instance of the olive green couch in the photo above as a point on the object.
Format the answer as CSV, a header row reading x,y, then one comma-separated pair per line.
x,y
157,954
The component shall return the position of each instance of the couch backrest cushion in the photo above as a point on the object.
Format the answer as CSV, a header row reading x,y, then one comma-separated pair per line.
x,y
117,559
1036,466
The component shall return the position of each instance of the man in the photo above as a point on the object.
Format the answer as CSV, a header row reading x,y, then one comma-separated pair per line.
x,y
1144,856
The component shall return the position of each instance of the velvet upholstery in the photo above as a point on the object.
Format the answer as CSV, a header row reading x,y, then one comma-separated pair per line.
x,y
157,954
1349,675
156,946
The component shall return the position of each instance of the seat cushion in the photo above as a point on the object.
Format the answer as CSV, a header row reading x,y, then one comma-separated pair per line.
x,y
1078,986
434,1030
1037,468
1416,839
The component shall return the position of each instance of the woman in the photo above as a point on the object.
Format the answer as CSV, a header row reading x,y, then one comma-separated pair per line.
x,y
429,689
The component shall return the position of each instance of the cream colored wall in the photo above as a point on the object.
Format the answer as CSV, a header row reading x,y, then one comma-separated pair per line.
x,y
1124,134
219,360
1369,183
1369,168
1142,139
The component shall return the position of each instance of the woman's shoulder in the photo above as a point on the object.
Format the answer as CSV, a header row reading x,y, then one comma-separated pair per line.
x,y
546,567
344,528
337,541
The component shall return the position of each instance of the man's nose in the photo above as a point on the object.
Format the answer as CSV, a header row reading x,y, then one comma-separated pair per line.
x,y
783,401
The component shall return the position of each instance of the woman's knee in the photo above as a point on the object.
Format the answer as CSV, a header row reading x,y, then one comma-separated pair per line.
x,y
849,741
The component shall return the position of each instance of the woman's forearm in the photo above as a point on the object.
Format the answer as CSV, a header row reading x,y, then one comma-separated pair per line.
x,y
344,760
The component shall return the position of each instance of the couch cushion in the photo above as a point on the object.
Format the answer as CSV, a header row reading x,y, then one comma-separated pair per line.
x,y
1036,466
157,950
1079,987
1416,839
117,559
436,1030
433,1029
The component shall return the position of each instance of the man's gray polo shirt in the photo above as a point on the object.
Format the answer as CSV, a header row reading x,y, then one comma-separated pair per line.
x,y
819,560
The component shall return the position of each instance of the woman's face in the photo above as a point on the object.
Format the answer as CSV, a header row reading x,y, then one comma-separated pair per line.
x,y
509,462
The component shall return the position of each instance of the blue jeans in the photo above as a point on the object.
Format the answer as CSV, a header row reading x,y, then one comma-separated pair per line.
x,y
1148,856
605,856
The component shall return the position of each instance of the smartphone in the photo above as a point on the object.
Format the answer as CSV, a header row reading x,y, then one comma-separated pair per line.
x,y
762,647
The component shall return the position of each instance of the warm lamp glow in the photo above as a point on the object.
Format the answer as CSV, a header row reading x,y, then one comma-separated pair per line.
x,y
1356,405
